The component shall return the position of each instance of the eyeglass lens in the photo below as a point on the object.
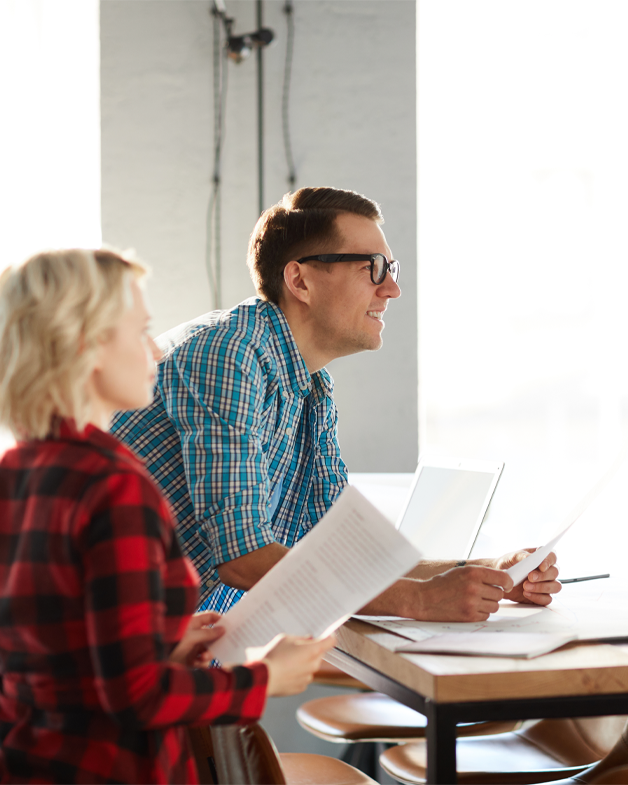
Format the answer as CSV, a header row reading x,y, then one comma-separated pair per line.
x,y
380,266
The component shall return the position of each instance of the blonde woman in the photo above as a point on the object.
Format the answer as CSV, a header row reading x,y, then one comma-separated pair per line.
x,y
100,656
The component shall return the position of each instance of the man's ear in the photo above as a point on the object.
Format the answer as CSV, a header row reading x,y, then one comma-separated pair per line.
x,y
295,277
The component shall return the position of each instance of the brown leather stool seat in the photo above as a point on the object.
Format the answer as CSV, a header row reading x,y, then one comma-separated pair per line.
x,y
302,768
612,768
371,717
615,776
547,751
230,754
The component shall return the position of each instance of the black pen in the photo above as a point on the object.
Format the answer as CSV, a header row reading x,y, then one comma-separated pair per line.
x,y
586,578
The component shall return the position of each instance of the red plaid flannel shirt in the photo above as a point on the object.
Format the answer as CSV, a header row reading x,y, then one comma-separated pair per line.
x,y
94,595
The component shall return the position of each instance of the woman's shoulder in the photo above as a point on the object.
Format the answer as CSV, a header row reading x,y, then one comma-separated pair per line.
x,y
121,494
81,477
110,472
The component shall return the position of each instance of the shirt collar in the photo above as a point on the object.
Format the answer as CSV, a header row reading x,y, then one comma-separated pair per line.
x,y
68,431
322,386
291,358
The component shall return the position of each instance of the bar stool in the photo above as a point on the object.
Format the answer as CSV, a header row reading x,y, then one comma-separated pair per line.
x,y
545,751
374,717
229,754
367,721
616,776
613,767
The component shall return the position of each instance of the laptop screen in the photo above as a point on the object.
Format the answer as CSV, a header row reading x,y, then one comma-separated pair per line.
x,y
447,504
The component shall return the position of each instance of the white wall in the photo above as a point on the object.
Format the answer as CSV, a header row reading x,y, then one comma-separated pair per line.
x,y
353,126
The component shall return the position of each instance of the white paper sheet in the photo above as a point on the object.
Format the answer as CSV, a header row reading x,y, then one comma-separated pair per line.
x,y
510,617
522,569
488,644
348,558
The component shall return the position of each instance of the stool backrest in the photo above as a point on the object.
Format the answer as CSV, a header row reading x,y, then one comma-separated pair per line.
x,y
236,755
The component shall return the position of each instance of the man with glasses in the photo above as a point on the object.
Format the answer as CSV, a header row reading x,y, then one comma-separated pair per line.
x,y
242,433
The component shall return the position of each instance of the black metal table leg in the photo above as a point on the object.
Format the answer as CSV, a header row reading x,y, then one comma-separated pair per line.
x,y
441,744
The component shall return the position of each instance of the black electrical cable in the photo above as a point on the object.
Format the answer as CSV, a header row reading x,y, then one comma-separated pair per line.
x,y
213,248
288,10
260,112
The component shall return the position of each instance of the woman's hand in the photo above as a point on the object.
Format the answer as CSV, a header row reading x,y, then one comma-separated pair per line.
x,y
292,662
193,649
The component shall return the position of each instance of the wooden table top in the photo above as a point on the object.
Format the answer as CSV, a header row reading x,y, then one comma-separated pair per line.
x,y
575,669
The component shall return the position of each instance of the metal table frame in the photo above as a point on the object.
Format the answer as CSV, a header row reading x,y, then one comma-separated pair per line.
x,y
442,718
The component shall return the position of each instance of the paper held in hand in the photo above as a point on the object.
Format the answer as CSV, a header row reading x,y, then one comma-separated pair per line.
x,y
349,557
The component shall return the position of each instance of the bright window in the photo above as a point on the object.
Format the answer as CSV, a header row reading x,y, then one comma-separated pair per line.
x,y
50,130
523,254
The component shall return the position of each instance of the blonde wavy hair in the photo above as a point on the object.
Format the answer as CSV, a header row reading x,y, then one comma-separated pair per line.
x,y
55,308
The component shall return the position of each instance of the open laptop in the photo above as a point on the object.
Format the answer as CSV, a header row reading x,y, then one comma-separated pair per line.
x,y
446,506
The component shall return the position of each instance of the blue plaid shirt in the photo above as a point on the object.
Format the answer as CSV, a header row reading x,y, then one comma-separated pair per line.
x,y
240,438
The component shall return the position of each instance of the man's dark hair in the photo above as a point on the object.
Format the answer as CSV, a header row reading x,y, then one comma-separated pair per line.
x,y
301,224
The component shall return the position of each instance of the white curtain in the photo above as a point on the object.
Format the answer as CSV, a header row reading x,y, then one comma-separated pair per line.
x,y
523,248
49,127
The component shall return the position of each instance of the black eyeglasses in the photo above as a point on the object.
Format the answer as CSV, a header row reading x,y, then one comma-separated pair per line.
x,y
379,263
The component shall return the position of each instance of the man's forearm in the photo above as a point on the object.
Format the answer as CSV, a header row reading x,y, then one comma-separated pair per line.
x,y
400,599
405,596
246,571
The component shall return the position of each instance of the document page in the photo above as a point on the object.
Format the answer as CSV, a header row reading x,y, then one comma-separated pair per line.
x,y
489,644
348,558
511,617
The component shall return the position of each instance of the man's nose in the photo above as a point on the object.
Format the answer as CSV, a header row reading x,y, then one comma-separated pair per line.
x,y
389,288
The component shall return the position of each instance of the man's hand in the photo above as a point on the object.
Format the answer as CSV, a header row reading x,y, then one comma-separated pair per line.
x,y
468,594
540,583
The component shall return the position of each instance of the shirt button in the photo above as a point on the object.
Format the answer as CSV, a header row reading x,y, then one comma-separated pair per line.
x,y
289,431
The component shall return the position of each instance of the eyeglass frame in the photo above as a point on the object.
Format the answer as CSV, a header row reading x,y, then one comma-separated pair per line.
x,y
332,258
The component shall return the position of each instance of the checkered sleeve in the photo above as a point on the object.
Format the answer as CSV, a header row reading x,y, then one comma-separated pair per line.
x,y
215,395
329,476
128,549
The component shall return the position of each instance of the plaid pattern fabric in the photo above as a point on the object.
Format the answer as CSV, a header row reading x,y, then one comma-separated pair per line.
x,y
239,437
94,594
